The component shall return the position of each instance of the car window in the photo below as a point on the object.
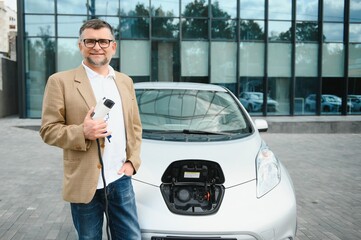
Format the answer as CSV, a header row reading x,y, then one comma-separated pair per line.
x,y
332,99
190,114
256,96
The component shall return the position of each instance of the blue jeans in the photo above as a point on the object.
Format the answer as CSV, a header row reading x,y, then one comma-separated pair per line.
x,y
123,219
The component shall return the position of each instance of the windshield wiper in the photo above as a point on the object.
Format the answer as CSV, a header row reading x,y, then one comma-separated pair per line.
x,y
190,131
186,131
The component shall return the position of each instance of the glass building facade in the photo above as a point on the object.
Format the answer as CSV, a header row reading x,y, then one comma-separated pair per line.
x,y
280,57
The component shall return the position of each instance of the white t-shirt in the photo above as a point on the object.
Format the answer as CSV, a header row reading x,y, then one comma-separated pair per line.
x,y
114,154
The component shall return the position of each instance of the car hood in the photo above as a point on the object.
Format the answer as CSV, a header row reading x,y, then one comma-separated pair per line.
x,y
335,103
271,101
235,157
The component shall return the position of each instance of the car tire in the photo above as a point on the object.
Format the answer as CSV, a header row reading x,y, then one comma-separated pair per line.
x,y
308,108
249,108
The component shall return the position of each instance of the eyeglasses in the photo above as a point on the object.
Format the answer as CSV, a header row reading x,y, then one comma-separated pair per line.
x,y
103,43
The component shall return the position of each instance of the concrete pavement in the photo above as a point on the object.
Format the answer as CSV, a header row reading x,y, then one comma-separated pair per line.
x,y
31,205
326,172
325,168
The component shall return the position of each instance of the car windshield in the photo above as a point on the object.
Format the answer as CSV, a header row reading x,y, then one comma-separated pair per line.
x,y
332,99
190,115
257,96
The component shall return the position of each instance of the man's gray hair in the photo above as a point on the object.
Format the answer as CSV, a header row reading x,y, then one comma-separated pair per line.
x,y
95,24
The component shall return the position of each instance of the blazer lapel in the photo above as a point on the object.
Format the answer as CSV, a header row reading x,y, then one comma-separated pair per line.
x,y
84,87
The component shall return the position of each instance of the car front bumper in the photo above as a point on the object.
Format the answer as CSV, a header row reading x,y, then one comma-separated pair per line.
x,y
241,216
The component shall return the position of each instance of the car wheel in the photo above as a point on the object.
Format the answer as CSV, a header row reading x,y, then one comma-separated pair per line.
x,y
307,108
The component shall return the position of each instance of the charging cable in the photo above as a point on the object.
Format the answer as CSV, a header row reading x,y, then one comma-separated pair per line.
x,y
101,110
105,189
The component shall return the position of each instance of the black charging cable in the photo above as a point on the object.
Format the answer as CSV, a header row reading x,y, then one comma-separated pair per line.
x,y
105,189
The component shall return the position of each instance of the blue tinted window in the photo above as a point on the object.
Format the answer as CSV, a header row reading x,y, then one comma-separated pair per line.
x,y
40,25
36,6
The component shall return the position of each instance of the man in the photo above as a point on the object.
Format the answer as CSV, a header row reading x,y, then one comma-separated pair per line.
x,y
68,104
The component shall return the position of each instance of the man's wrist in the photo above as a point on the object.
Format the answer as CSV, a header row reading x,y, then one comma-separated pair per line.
x,y
128,161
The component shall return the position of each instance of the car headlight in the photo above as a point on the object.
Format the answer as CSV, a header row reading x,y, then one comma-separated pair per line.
x,y
268,171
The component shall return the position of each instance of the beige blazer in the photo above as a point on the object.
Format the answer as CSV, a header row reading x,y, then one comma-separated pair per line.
x,y
68,97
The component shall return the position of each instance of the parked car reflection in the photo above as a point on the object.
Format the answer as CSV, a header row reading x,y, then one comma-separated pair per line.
x,y
329,103
253,102
355,100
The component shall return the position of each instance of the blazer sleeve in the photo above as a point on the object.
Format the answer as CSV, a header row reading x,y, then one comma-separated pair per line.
x,y
56,129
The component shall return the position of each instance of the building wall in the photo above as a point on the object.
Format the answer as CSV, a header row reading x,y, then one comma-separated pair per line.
x,y
4,28
281,56
9,98
8,29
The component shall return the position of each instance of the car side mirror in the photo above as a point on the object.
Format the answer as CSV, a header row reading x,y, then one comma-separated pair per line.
x,y
261,125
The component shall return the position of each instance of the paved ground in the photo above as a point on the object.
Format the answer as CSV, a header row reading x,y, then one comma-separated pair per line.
x,y
326,170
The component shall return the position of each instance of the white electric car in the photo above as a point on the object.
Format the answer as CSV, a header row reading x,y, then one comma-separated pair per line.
x,y
206,173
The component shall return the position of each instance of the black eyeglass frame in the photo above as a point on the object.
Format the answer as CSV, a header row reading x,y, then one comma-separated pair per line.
x,y
100,42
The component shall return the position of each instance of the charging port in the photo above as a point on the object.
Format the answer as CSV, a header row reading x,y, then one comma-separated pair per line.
x,y
193,187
